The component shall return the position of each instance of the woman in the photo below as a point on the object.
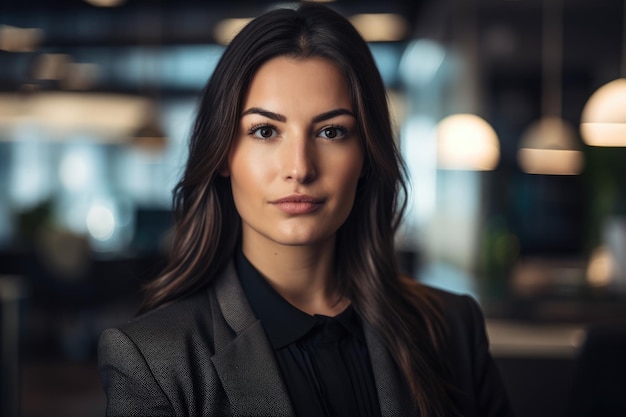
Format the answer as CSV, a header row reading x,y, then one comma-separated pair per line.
x,y
282,295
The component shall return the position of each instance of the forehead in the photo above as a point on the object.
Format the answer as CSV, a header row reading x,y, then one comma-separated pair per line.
x,y
286,82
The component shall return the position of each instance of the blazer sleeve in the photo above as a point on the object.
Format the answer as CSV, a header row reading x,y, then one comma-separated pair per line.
x,y
128,382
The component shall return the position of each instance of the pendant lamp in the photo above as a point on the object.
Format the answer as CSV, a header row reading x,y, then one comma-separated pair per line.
x,y
603,121
466,141
549,146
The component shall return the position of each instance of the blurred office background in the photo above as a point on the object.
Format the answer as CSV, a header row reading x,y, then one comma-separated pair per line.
x,y
511,116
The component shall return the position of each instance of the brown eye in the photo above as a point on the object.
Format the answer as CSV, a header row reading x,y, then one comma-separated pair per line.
x,y
263,132
331,133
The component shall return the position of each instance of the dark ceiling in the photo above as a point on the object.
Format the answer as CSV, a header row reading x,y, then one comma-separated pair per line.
x,y
590,27
510,30
75,22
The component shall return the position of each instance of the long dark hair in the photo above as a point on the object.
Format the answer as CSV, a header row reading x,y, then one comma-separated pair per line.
x,y
207,228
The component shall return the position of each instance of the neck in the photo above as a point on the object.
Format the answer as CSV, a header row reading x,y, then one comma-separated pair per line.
x,y
303,275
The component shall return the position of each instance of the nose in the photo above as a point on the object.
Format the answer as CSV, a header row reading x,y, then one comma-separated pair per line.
x,y
298,160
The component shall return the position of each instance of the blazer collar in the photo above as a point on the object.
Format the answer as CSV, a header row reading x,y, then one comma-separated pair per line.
x,y
246,364
250,375
393,396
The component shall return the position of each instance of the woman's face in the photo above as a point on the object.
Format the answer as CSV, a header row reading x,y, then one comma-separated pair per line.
x,y
297,158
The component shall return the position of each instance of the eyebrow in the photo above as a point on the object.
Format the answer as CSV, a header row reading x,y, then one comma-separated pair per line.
x,y
266,113
281,118
330,114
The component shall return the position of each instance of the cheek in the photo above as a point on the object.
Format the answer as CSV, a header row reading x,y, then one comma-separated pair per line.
x,y
346,173
245,184
353,166
247,168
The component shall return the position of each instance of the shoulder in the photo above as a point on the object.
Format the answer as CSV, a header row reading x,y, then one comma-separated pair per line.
x,y
147,362
454,315
179,316
163,341
465,344
211,316
479,390
457,308
162,332
462,319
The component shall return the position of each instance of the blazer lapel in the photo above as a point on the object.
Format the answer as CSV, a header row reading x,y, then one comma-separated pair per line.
x,y
246,365
393,396
250,376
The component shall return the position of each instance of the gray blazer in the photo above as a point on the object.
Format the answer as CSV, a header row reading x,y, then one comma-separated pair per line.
x,y
208,355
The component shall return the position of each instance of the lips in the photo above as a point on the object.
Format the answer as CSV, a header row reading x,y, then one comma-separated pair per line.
x,y
298,204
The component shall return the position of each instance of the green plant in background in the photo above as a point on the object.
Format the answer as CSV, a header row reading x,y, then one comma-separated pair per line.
x,y
605,180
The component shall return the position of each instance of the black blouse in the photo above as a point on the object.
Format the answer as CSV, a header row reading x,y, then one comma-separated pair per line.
x,y
324,360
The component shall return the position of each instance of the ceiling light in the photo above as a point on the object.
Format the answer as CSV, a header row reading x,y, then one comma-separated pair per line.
x,y
467,142
380,27
548,147
603,121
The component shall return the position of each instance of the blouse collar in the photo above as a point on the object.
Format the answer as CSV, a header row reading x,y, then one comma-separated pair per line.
x,y
284,323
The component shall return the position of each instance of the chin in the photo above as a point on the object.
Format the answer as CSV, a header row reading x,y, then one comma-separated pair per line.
x,y
301,238
300,241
